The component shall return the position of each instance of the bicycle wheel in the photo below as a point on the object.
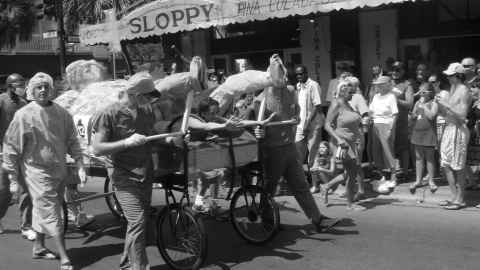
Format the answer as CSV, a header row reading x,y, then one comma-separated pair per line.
x,y
181,238
254,214
111,200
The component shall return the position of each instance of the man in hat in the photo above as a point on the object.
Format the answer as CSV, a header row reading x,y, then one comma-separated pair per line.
x,y
453,147
35,146
10,102
403,91
121,131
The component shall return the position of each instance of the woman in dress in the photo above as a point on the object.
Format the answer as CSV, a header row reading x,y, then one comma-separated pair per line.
x,y
343,125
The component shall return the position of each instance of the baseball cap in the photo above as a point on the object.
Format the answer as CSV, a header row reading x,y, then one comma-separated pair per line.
x,y
140,83
382,80
454,68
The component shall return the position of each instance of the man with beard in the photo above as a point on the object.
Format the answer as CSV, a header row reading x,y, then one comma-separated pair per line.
x,y
279,152
403,91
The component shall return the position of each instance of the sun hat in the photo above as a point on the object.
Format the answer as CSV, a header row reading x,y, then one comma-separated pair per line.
x,y
454,68
382,80
140,83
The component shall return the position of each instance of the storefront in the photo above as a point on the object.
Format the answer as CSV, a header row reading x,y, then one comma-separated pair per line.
x,y
317,33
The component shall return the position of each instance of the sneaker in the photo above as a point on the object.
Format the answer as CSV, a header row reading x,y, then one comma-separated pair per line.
x,y
29,234
83,220
2,229
391,184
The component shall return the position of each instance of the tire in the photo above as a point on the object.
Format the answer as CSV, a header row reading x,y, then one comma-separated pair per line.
x,y
254,215
181,238
112,201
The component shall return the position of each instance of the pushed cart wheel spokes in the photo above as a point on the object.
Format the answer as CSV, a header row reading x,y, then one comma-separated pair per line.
x,y
181,238
112,201
254,214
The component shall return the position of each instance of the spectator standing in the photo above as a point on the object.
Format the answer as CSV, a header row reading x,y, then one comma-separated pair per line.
x,y
453,148
10,102
442,94
424,136
309,128
403,91
376,72
469,65
36,143
342,69
384,111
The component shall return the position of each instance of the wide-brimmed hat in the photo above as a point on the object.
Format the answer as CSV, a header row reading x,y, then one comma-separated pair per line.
x,y
454,68
140,83
382,80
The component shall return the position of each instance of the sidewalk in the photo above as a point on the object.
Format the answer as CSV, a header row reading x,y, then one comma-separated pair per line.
x,y
402,196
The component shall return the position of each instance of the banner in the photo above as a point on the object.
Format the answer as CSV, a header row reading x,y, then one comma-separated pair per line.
x,y
171,16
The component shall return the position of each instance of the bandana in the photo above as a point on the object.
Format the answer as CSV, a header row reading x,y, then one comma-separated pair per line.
x,y
37,80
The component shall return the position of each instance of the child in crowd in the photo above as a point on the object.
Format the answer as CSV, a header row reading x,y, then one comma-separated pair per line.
x,y
325,170
424,136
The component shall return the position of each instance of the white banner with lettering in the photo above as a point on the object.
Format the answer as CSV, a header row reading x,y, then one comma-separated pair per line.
x,y
170,16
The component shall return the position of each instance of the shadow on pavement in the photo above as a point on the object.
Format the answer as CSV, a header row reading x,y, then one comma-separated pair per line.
x,y
375,202
86,256
227,249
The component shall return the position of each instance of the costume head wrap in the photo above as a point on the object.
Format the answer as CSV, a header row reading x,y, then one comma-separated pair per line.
x,y
37,80
140,83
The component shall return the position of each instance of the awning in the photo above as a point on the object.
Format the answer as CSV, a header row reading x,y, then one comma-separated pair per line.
x,y
171,16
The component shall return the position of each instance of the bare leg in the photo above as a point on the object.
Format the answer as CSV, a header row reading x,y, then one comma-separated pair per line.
x,y
430,157
451,181
59,240
39,243
461,184
419,163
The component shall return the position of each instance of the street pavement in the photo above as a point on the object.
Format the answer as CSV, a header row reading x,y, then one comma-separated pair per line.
x,y
394,232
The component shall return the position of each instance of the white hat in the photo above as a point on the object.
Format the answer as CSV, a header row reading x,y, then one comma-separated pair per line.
x,y
454,68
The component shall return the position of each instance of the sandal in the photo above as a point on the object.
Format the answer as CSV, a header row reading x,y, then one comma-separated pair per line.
x,y
433,188
445,203
45,254
66,266
455,206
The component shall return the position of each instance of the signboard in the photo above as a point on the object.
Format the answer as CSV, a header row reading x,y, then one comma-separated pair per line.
x,y
160,17
50,34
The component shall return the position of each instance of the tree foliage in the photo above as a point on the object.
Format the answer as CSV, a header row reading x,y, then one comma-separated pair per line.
x,y
17,21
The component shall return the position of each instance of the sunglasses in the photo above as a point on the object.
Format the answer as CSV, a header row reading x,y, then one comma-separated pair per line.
x,y
467,66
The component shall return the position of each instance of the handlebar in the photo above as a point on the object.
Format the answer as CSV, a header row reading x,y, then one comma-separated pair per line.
x,y
165,135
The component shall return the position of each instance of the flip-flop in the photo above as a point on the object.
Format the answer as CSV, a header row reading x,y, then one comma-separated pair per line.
x,y
45,254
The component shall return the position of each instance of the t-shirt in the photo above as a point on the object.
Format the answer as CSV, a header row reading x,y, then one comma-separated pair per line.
x,y
332,89
119,123
8,107
359,104
383,108
309,96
